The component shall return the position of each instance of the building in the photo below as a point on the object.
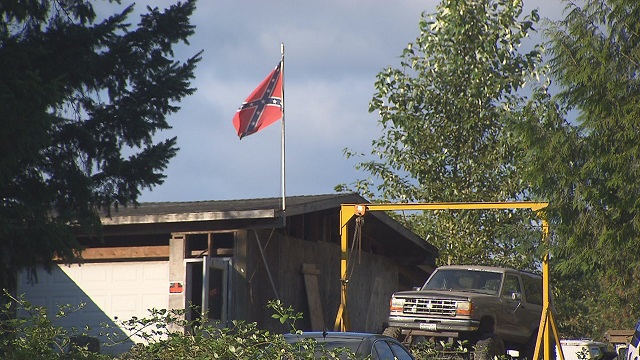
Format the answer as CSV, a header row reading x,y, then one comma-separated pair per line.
x,y
230,258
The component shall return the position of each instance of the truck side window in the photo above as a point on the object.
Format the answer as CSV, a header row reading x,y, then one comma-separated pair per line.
x,y
511,285
532,290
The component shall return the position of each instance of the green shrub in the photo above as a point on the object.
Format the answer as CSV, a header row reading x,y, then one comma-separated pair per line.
x,y
440,350
35,336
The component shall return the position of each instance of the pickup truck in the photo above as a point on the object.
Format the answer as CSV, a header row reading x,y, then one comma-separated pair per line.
x,y
494,309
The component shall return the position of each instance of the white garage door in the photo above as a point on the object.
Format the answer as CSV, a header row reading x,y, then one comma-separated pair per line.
x,y
112,292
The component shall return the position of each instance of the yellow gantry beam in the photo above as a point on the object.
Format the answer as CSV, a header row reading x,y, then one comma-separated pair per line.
x,y
535,206
348,211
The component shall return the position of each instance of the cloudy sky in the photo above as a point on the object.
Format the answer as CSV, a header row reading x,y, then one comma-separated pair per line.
x,y
333,51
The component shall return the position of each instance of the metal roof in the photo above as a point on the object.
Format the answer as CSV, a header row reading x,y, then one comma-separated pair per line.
x,y
155,212
247,209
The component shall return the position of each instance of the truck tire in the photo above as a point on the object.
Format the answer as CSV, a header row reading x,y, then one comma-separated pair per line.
x,y
392,332
488,347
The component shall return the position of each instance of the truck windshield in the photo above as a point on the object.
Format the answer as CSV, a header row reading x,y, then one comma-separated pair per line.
x,y
465,280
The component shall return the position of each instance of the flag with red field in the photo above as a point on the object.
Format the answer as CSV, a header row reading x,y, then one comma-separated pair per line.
x,y
263,107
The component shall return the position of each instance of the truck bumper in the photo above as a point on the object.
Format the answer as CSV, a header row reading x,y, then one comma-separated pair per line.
x,y
434,325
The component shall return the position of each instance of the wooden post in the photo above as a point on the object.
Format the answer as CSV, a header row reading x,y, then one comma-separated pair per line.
x,y
311,272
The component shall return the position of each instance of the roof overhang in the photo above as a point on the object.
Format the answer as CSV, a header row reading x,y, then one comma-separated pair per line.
x,y
189,217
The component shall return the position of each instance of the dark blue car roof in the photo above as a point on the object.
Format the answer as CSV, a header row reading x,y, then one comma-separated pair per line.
x,y
359,343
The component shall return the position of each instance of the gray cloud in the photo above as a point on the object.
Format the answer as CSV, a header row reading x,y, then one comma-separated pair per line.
x,y
334,49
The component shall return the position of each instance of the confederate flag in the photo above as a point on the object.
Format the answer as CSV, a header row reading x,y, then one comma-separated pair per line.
x,y
263,107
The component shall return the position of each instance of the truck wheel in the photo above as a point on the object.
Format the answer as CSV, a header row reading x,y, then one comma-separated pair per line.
x,y
393,332
488,347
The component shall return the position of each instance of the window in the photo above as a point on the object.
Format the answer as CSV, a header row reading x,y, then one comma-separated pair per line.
x,y
401,353
382,351
511,286
489,283
532,290
463,279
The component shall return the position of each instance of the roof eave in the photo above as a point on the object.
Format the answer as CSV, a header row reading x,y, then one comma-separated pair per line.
x,y
189,217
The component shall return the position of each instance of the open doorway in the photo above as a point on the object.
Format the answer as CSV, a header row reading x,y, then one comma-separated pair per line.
x,y
208,292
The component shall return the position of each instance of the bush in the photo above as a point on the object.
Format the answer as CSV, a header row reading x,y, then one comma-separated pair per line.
x,y
36,336
441,350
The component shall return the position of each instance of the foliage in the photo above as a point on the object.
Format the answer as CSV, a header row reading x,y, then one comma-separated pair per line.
x,y
285,315
240,340
36,336
159,336
441,350
446,117
306,348
444,350
588,167
157,326
81,107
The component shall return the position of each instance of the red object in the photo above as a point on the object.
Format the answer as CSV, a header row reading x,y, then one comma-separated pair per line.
x,y
175,288
263,107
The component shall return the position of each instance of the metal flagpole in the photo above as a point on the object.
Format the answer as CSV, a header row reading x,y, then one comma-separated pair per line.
x,y
283,179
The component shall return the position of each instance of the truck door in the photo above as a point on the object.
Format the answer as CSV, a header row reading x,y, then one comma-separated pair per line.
x,y
517,314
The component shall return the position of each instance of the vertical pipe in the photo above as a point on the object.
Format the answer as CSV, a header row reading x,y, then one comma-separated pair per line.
x,y
282,141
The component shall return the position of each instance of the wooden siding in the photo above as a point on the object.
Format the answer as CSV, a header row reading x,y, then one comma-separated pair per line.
x,y
373,280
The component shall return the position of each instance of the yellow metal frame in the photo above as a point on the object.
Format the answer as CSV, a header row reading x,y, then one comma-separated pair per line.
x,y
348,211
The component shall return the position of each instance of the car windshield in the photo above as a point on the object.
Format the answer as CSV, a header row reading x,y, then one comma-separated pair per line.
x,y
485,282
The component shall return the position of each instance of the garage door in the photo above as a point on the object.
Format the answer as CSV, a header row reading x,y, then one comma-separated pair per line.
x,y
111,292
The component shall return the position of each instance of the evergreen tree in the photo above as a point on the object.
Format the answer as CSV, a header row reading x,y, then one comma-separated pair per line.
x,y
81,100
588,168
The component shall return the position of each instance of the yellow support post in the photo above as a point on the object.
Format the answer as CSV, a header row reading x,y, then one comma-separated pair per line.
x,y
342,319
348,211
547,322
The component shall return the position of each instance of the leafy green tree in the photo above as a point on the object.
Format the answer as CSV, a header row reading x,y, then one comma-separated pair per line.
x,y
588,168
81,100
446,115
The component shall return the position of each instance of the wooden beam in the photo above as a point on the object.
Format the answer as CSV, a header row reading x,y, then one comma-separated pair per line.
x,y
311,272
126,252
